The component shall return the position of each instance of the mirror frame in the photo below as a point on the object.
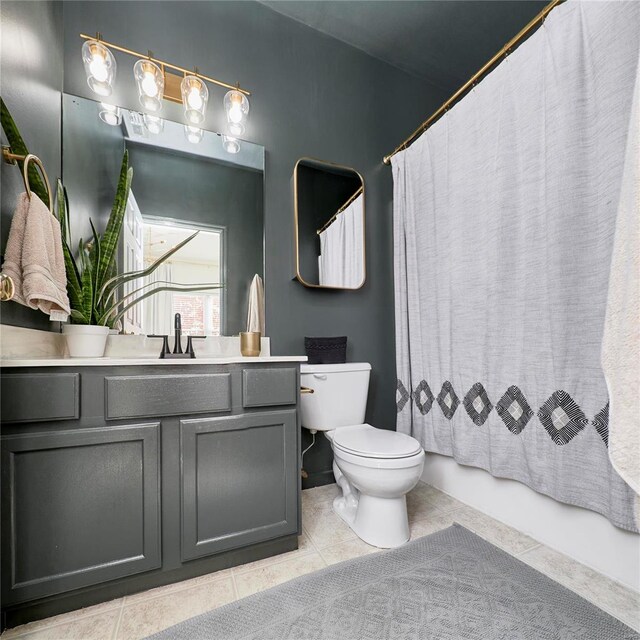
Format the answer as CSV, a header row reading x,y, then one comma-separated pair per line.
x,y
296,228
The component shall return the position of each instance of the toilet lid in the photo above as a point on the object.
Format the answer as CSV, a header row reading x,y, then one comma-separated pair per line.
x,y
369,442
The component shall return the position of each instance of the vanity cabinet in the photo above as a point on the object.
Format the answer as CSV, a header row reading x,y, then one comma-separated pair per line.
x,y
118,479
79,507
238,480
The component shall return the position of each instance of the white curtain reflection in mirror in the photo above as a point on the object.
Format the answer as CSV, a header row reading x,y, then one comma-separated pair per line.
x,y
340,262
198,261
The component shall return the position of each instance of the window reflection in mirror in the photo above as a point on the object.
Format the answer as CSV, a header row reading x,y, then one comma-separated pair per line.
x,y
329,220
199,261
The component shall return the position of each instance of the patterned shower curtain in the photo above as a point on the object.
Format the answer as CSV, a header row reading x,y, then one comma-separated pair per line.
x,y
504,214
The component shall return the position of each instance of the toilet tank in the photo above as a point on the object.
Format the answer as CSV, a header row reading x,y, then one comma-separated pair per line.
x,y
339,397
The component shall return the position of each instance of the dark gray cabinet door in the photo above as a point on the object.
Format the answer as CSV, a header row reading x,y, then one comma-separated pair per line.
x,y
239,479
79,507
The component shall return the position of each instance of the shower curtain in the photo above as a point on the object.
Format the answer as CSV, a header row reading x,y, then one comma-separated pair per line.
x,y
341,262
504,215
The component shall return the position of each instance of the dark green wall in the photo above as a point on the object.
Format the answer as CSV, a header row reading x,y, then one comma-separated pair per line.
x,y
311,96
92,156
30,84
194,189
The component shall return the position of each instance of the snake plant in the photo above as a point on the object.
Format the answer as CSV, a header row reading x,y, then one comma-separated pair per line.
x,y
92,279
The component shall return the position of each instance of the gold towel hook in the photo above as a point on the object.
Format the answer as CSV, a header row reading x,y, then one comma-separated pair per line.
x,y
7,289
25,176
14,158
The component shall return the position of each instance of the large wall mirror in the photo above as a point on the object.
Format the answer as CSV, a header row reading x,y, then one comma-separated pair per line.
x,y
185,179
329,225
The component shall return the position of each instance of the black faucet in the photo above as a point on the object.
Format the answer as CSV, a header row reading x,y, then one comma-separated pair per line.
x,y
177,345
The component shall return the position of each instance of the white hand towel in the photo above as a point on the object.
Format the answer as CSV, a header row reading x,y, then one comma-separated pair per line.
x,y
34,259
255,315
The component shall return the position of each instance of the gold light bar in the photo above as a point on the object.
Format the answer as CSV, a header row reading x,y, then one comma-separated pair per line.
x,y
474,79
162,63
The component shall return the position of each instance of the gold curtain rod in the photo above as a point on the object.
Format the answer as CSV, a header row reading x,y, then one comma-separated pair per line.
x,y
474,79
340,210
162,63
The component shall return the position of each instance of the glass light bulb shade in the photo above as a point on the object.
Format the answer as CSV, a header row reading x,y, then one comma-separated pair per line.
x,y
236,106
150,81
109,114
195,96
235,128
100,67
230,145
193,134
154,124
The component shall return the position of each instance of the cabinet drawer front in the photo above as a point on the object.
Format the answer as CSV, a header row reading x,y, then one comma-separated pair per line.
x,y
268,387
79,507
34,397
239,481
139,396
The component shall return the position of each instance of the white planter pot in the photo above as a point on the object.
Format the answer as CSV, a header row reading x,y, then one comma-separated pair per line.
x,y
85,340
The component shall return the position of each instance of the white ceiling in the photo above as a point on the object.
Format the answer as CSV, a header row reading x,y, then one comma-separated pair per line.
x,y
159,238
441,41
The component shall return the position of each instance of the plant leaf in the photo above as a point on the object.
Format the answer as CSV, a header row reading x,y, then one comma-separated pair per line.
x,y
19,147
175,286
114,226
78,317
123,278
95,264
74,288
87,292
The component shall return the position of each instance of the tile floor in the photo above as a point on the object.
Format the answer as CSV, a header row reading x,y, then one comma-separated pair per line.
x,y
325,540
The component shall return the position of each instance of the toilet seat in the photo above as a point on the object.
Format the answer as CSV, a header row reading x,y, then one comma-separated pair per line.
x,y
366,441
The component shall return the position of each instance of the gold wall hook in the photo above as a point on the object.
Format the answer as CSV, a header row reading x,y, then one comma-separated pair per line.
x,y
7,288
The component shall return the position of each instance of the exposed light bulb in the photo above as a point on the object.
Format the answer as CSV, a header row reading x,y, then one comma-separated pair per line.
x,y
193,99
154,124
193,134
236,106
230,145
148,84
150,80
98,67
235,113
110,114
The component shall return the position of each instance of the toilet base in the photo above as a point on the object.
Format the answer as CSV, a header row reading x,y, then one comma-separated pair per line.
x,y
380,522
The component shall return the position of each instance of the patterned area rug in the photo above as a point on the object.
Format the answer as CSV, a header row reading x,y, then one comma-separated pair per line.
x,y
451,585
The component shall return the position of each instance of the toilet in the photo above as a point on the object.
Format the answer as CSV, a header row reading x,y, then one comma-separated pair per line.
x,y
374,468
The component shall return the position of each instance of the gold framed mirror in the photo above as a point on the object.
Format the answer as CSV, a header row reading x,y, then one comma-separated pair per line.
x,y
329,225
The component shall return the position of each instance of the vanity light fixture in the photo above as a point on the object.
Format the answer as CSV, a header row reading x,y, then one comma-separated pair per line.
x,y
236,106
154,124
195,96
150,81
193,134
100,67
157,80
110,114
230,145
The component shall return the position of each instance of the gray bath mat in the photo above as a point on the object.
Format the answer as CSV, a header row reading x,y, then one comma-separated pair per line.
x,y
451,585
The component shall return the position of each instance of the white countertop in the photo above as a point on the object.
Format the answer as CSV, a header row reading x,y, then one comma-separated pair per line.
x,y
118,362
